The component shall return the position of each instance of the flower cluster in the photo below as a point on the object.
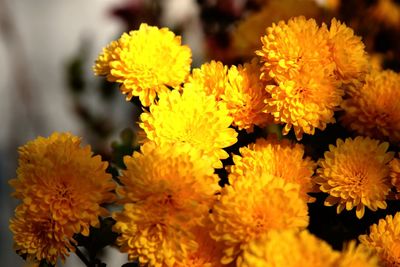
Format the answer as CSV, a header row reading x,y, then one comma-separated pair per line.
x,y
211,185
53,178
308,65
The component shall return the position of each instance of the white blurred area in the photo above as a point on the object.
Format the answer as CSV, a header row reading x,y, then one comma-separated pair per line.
x,y
37,38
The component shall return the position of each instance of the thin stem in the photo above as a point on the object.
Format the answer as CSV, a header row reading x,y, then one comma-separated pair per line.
x,y
82,257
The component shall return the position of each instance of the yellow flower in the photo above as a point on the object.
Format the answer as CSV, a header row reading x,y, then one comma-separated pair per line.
x,y
395,173
41,237
246,36
297,57
167,189
357,256
348,53
253,206
373,109
245,95
58,178
210,78
288,47
145,62
208,253
191,117
355,173
384,239
173,178
290,249
281,159
147,234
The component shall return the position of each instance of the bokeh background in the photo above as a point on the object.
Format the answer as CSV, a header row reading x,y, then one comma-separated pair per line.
x,y
47,49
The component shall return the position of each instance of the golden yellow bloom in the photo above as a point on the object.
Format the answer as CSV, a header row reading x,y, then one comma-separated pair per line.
x,y
288,47
145,62
348,53
384,239
373,109
148,235
174,178
246,36
169,189
208,253
245,97
41,237
59,178
297,57
357,256
191,117
290,249
211,77
395,173
253,206
277,158
304,104
355,173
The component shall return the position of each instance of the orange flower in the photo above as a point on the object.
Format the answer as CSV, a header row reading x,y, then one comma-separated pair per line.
x,y
355,173
54,177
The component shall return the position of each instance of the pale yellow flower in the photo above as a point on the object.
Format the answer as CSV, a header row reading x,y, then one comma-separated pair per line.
x,y
146,62
193,118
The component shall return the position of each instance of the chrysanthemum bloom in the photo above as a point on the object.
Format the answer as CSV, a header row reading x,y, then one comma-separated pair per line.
x,y
373,109
208,253
40,237
355,255
148,235
348,53
245,97
384,238
355,173
59,178
288,47
191,117
277,158
304,104
395,173
145,62
253,206
288,248
297,57
173,178
168,190
211,78
246,36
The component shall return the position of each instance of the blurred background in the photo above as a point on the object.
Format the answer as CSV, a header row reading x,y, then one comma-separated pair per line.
x,y
48,47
